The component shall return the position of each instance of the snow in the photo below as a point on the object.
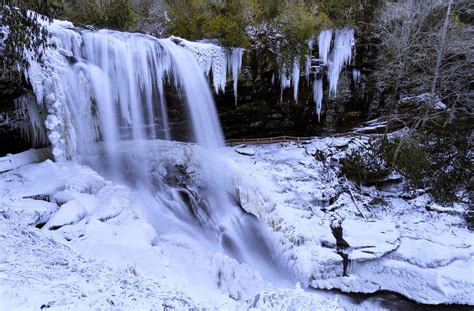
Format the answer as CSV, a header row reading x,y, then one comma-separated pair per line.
x,y
425,256
104,253
249,151
107,238
12,161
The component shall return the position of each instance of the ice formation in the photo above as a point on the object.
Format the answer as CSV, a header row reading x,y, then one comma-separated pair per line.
x,y
235,67
334,59
307,69
318,96
341,55
296,78
324,44
33,131
356,77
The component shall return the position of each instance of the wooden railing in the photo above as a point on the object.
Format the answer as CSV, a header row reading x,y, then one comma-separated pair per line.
x,y
280,139
266,140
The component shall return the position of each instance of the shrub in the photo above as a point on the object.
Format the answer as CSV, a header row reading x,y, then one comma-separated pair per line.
x,y
112,14
437,159
367,164
25,32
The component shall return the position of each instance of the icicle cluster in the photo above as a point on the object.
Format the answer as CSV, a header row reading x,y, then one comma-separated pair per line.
x,y
324,44
341,55
33,131
335,59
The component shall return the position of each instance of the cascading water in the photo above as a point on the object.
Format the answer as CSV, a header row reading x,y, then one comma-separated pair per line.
x,y
108,87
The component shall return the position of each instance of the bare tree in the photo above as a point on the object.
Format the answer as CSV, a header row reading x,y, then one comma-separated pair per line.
x,y
426,49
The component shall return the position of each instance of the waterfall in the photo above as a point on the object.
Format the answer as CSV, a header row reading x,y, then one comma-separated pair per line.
x,y
104,93
109,86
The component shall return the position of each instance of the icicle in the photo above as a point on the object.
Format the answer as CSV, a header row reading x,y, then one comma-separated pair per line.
x,y
341,56
235,67
296,77
318,96
307,69
356,77
34,131
285,82
324,44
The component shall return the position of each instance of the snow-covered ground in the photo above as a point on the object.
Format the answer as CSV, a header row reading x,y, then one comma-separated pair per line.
x,y
395,244
70,239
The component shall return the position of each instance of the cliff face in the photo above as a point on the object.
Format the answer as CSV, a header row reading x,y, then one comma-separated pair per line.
x,y
263,110
12,138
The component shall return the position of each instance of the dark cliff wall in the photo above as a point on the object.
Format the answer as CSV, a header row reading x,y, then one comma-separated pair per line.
x,y
263,111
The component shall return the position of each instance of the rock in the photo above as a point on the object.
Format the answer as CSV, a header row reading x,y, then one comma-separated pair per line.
x,y
245,151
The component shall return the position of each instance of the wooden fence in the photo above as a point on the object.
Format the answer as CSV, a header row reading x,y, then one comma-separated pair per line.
x,y
267,140
279,139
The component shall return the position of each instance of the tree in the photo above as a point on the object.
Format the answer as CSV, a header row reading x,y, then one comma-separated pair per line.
x,y
23,34
425,48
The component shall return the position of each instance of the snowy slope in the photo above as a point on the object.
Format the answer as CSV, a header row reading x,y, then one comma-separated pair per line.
x,y
98,246
95,249
397,246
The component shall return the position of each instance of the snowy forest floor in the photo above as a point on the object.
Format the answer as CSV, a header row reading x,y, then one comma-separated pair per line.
x,y
71,239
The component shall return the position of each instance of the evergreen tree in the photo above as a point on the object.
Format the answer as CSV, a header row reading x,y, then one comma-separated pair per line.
x,y
24,33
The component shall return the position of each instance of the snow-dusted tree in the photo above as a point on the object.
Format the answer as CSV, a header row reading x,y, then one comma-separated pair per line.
x,y
426,48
